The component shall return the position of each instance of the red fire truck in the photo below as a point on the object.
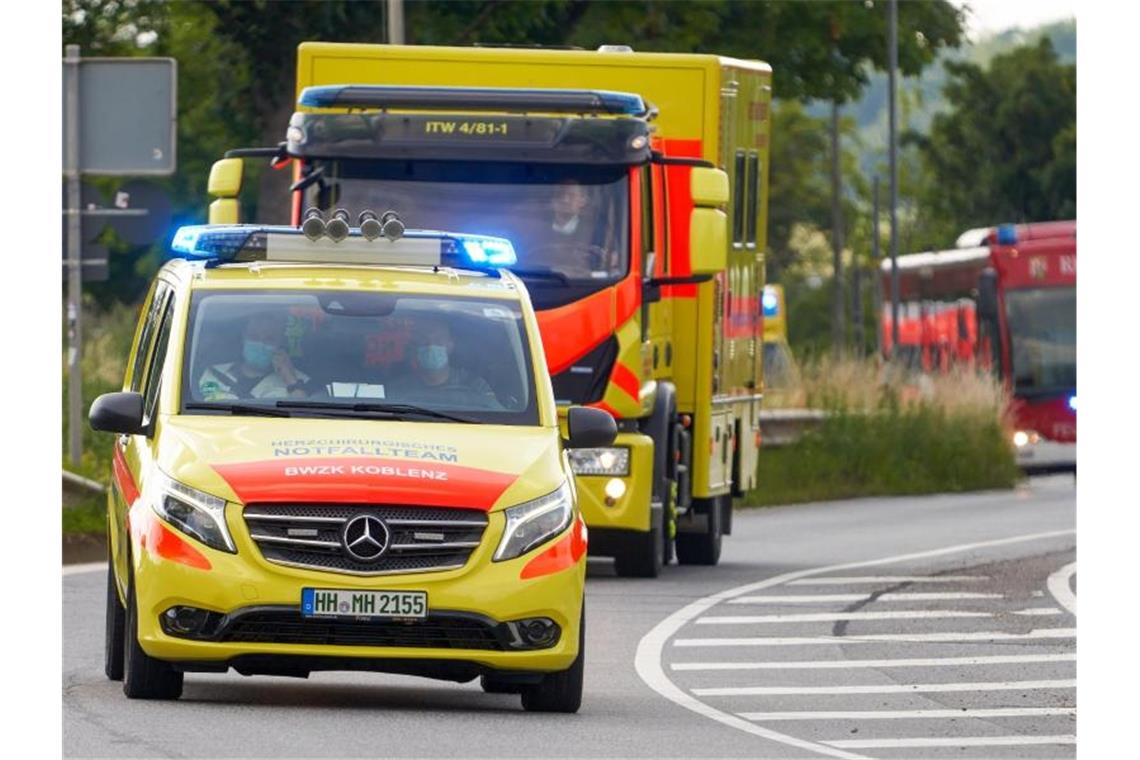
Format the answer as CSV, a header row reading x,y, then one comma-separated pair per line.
x,y
1004,300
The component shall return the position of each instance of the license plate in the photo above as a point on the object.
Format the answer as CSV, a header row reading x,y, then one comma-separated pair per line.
x,y
331,602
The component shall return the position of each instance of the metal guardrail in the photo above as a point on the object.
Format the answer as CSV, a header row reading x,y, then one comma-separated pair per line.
x,y
77,487
781,427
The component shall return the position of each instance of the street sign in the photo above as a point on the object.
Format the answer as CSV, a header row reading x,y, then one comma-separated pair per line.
x,y
127,115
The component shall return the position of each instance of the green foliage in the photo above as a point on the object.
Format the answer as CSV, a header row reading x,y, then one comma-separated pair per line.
x,y
1007,149
88,516
898,450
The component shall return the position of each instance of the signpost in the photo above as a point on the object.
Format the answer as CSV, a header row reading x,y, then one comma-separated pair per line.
x,y
119,118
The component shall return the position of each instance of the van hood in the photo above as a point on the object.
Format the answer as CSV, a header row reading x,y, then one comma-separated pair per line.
x,y
303,460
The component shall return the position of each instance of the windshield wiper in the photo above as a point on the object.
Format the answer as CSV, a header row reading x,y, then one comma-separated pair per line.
x,y
396,410
251,409
541,273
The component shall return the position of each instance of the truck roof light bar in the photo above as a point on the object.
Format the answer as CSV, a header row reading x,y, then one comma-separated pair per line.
x,y
475,99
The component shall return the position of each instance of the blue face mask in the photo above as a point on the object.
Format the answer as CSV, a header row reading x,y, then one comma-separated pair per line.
x,y
432,358
258,354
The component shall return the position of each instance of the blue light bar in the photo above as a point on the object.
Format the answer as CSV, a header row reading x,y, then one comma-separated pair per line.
x,y
206,241
474,99
1006,234
488,251
770,303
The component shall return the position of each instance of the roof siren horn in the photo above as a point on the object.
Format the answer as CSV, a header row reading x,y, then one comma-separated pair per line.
x,y
314,224
370,226
337,227
392,227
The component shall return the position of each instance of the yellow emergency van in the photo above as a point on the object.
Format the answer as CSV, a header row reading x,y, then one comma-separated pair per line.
x,y
338,449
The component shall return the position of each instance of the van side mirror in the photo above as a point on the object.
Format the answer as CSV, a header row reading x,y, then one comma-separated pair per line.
x,y
709,187
588,428
708,225
120,412
225,185
987,294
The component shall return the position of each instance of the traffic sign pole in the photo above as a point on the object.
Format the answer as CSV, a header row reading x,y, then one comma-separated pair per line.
x,y
74,264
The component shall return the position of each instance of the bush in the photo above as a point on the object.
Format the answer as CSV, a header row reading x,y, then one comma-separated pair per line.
x,y
891,435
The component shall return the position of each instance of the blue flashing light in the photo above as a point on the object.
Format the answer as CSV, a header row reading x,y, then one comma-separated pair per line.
x,y
770,303
1006,234
1073,402
320,97
478,98
488,251
205,241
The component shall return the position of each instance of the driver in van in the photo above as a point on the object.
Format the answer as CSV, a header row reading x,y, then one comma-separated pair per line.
x,y
433,377
264,369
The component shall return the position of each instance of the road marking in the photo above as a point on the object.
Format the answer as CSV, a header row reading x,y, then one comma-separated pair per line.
x,y
649,650
821,598
999,712
1037,633
86,567
850,580
910,662
961,741
888,688
823,617
1058,584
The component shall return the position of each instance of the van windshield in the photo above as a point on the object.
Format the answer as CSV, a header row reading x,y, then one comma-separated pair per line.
x,y
353,353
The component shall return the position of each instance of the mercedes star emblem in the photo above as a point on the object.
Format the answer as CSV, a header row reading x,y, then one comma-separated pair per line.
x,y
365,538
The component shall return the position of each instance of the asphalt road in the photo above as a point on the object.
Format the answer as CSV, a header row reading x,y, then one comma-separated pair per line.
x,y
936,627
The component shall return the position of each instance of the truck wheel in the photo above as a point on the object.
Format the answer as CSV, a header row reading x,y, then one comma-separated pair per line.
x,y
113,643
642,555
703,548
561,691
144,677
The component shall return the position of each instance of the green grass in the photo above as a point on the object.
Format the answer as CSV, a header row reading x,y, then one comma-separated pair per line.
x,y
897,450
89,516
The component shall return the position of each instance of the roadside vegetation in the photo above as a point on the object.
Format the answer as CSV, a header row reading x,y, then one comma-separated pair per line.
x,y
886,434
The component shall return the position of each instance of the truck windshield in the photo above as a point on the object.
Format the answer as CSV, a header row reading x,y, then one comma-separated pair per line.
x,y
568,224
1043,340
352,353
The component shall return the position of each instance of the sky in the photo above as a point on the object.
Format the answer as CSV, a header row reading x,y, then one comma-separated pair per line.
x,y
997,15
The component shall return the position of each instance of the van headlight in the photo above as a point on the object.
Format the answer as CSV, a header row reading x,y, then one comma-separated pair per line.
x,y
603,461
533,522
193,512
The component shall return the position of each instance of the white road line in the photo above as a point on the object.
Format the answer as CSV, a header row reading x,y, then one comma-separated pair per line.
x,y
1037,633
649,650
887,688
850,580
910,662
1058,584
823,617
999,712
87,567
961,741
822,598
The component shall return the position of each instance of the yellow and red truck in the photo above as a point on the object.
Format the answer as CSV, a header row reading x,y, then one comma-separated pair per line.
x,y
634,187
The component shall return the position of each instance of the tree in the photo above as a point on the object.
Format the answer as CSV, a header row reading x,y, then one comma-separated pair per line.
x,y
1006,151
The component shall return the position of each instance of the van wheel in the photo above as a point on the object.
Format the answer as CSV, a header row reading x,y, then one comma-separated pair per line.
x,y
703,548
561,691
642,555
144,677
116,623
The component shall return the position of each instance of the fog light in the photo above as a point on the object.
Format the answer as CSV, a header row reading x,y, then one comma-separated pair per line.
x,y
615,489
533,633
185,621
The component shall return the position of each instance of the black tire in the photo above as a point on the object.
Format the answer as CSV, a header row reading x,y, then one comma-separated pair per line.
x,y
562,691
642,555
492,685
113,643
144,677
703,548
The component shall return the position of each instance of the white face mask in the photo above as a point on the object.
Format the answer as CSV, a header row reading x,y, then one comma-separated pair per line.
x,y
566,229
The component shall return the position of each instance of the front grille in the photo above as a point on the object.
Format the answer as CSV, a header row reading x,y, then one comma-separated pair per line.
x,y
421,539
290,627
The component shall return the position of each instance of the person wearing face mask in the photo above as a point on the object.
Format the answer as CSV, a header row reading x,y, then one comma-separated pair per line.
x,y
433,377
263,371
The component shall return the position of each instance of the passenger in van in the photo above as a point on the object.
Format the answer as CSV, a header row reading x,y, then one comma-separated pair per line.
x,y
264,369
433,378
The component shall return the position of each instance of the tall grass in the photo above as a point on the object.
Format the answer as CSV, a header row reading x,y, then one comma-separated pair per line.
x,y
107,335
889,434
